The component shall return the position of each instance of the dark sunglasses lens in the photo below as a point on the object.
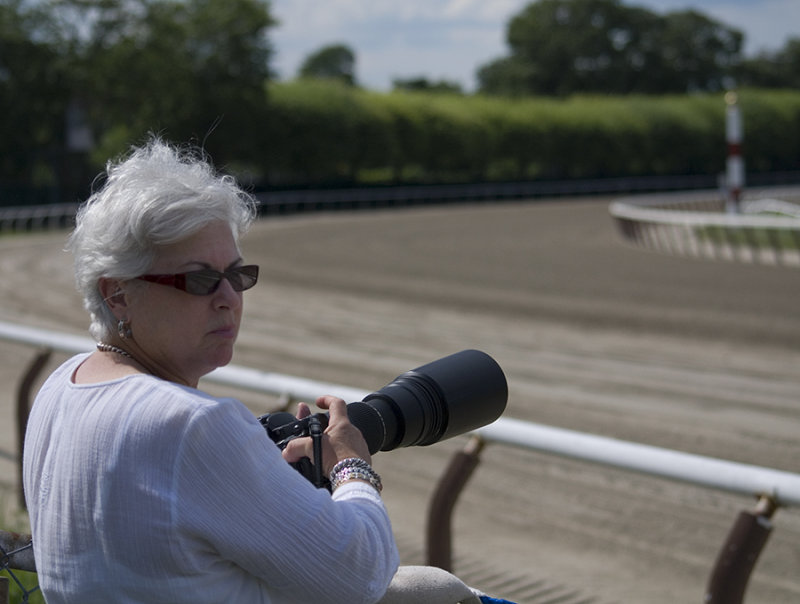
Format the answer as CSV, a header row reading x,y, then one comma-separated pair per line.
x,y
243,278
202,283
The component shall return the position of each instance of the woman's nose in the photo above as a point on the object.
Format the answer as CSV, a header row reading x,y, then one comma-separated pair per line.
x,y
226,296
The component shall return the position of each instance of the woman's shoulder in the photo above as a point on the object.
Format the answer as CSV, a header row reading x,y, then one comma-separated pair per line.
x,y
165,394
169,399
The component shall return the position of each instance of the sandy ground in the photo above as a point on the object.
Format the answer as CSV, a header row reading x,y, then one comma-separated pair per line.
x,y
593,335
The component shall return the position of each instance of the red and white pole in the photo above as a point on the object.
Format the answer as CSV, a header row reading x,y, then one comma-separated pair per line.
x,y
735,162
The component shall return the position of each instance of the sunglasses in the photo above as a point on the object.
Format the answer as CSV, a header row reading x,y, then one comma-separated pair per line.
x,y
206,281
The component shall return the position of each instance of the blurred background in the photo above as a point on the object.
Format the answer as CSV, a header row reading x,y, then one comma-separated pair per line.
x,y
329,94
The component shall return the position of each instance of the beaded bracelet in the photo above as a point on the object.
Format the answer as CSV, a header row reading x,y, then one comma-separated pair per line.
x,y
354,468
350,462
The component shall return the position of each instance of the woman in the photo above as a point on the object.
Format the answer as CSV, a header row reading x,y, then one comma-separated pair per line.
x,y
142,488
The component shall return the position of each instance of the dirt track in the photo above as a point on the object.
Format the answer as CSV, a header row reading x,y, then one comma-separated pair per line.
x,y
592,334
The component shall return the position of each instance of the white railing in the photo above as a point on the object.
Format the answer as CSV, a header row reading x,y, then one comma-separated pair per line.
x,y
22,218
697,225
782,487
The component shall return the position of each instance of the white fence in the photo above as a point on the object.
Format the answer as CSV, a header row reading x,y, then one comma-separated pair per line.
x,y
24,218
696,224
782,487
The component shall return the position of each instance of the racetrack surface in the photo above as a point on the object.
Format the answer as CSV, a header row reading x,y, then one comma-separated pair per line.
x,y
594,335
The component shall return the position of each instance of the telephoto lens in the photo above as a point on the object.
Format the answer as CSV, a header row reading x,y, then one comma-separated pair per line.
x,y
445,398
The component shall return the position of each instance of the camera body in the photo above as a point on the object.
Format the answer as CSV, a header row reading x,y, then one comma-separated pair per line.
x,y
444,398
283,427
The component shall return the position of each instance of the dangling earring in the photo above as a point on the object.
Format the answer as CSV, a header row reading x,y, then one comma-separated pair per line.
x,y
124,329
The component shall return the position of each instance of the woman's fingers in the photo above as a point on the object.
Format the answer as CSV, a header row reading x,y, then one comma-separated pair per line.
x,y
303,410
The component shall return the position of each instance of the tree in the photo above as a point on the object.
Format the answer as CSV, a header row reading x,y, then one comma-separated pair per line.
x,y
336,61
507,76
423,84
194,70
189,69
698,52
560,47
33,98
778,69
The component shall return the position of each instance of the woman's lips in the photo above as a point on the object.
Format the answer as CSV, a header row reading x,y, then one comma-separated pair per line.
x,y
226,331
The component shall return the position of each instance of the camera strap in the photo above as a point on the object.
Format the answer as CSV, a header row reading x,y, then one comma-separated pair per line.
x,y
315,431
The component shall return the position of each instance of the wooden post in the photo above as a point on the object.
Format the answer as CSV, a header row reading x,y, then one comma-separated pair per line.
x,y
739,554
24,408
440,511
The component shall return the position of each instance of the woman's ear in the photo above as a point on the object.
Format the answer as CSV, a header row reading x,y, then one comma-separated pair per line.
x,y
114,296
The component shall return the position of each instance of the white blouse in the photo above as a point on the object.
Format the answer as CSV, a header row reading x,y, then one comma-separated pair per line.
x,y
142,490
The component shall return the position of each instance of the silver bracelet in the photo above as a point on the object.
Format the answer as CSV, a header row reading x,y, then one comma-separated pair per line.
x,y
347,474
354,468
349,462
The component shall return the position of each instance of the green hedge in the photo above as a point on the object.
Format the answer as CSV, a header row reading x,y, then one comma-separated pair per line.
x,y
324,132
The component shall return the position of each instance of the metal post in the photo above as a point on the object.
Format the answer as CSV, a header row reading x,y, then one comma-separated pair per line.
x,y
739,554
734,162
440,511
24,407
3,590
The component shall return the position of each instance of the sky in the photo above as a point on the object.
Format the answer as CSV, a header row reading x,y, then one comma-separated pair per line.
x,y
450,39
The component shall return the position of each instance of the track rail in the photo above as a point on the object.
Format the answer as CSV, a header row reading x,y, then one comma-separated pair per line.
x,y
292,201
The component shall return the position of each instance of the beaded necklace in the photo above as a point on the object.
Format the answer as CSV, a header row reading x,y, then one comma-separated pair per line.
x,y
103,347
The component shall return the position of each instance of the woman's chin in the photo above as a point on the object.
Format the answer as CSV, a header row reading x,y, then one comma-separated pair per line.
x,y
220,356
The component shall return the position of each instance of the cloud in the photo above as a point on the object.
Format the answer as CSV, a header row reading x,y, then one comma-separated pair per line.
x,y
441,39
766,24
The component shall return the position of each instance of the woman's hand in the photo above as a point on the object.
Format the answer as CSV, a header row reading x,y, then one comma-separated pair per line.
x,y
340,440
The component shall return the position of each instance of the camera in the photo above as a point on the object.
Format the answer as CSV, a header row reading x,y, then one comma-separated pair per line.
x,y
439,400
